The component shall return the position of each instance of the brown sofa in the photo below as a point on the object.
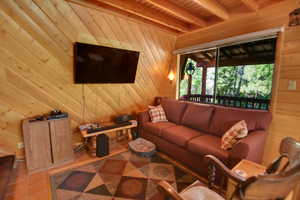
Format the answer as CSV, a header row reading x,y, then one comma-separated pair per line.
x,y
6,167
195,130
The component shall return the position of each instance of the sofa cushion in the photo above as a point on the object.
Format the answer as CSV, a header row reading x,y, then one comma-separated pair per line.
x,y
234,134
157,114
223,118
197,116
179,135
174,109
200,193
208,144
156,128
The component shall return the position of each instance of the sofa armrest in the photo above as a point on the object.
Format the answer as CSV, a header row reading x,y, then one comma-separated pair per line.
x,y
250,148
6,169
143,117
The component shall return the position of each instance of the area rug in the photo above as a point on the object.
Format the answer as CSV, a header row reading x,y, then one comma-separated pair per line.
x,y
124,176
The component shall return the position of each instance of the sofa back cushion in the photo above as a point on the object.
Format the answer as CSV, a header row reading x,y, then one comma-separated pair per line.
x,y
174,109
223,118
197,116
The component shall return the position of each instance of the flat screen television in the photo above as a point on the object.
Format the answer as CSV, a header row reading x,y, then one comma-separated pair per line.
x,y
100,64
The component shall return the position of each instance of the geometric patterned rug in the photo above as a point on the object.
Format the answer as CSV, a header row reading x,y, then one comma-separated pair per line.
x,y
124,176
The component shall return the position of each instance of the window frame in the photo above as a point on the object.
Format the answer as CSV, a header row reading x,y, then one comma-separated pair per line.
x,y
274,78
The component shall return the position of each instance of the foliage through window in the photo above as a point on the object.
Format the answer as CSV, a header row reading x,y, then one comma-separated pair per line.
x,y
252,81
242,78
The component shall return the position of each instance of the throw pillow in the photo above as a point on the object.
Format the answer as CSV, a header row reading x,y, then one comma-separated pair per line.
x,y
157,114
234,134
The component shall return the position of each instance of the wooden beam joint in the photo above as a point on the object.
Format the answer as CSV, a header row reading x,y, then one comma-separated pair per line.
x,y
214,7
251,4
177,11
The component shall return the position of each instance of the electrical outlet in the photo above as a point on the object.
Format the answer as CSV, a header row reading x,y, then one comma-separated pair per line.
x,y
292,85
20,145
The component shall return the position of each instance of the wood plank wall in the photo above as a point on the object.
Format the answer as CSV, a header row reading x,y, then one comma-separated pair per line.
x,y
286,104
36,63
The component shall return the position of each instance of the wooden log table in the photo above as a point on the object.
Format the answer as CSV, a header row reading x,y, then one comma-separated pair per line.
x,y
90,138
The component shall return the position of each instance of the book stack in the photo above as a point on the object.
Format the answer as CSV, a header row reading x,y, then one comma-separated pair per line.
x,y
133,122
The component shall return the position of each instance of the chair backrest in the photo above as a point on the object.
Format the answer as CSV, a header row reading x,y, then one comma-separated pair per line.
x,y
289,149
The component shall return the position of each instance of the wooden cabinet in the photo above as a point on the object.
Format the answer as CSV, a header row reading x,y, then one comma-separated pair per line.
x,y
47,143
61,140
37,145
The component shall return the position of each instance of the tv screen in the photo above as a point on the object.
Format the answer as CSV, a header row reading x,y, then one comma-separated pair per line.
x,y
100,64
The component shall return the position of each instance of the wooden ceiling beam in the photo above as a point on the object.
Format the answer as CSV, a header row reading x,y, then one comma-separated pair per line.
x,y
247,61
225,53
179,12
209,63
194,58
207,55
102,7
139,12
142,11
251,4
214,7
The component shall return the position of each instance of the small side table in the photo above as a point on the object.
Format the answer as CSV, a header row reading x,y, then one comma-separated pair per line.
x,y
251,169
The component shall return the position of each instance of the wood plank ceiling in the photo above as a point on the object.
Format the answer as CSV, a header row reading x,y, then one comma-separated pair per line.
x,y
180,16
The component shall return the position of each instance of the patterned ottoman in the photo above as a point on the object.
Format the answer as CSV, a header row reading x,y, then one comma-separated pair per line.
x,y
142,147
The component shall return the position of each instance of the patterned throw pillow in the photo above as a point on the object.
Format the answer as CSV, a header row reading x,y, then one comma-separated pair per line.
x,y
157,114
234,134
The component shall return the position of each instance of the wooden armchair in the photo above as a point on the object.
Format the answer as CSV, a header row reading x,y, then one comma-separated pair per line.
x,y
289,152
276,183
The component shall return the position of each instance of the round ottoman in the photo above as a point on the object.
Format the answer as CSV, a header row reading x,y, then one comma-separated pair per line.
x,y
142,147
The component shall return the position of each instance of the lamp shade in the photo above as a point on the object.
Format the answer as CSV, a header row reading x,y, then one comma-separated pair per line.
x,y
171,76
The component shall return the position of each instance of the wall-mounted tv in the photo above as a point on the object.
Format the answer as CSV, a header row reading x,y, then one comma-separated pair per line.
x,y
100,64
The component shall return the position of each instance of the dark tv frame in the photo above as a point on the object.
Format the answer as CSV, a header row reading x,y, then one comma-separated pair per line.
x,y
75,62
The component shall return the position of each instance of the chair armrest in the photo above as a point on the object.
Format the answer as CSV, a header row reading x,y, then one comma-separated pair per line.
x,y
143,117
250,148
168,191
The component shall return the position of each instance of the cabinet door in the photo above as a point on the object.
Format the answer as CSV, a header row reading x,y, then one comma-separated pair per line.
x,y
37,145
61,140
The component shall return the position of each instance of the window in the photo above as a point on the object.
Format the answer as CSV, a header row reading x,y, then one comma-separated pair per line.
x,y
238,76
195,82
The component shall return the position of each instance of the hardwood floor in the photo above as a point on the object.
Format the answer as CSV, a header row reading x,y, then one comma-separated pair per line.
x,y
36,186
